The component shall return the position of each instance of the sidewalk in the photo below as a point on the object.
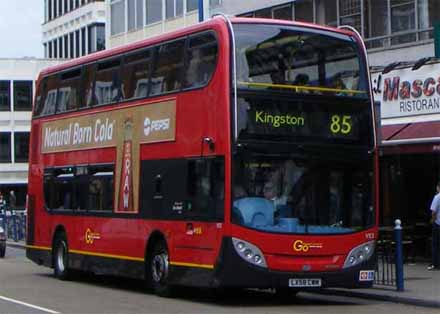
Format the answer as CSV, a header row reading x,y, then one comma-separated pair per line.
x,y
422,287
16,244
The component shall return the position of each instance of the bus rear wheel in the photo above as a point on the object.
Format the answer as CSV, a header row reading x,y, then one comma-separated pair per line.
x,y
158,269
61,257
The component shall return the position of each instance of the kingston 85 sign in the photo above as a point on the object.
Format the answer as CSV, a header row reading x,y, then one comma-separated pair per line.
x,y
293,120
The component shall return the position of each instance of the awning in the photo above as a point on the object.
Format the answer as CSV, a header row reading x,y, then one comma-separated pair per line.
x,y
388,131
412,133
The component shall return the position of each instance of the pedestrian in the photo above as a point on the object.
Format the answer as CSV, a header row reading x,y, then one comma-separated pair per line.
x,y
12,200
435,220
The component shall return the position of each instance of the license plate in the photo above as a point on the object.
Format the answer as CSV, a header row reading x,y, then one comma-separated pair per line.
x,y
304,282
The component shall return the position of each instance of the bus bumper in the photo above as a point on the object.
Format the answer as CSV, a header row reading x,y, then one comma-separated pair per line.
x,y
232,271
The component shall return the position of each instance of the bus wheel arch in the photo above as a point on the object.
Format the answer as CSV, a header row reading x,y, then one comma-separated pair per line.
x,y
157,265
60,254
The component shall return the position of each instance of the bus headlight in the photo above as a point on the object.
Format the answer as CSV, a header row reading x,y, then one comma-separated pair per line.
x,y
359,254
249,252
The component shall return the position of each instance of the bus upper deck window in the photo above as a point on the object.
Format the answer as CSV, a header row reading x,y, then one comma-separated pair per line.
x,y
108,82
50,96
136,73
168,68
202,57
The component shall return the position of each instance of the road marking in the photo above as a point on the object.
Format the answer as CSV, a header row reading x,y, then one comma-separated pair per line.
x,y
29,305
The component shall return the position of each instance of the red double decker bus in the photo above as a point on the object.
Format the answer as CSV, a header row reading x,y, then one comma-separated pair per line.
x,y
233,153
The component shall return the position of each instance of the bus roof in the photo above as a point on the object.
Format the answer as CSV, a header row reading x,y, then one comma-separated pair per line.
x,y
216,21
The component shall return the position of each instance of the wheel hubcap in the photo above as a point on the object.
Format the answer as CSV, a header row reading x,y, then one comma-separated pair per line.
x,y
159,267
61,256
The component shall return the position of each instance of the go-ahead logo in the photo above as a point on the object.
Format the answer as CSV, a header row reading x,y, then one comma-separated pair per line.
x,y
301,246
91,236
151,126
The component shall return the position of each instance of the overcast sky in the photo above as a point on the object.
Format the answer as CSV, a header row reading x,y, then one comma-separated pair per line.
x,y
20,28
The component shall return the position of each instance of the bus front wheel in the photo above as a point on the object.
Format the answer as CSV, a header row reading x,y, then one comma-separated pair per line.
x,y
158,269
61,257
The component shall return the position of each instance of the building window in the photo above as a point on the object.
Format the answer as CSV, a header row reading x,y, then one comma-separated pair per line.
x,y
139,13
215,3
192,5
21,146
50,9
77,44
50,50
72,45
60,46
131,11
403,18
117,15
350,12
5,95
330,13
22,95
283,12
378,11
66,47
55,49
90,38
5,147
264,13
304,11
174,8
100,37
83,41
154,11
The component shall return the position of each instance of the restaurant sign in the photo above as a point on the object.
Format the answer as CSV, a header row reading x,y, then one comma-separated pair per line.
x,y
406,92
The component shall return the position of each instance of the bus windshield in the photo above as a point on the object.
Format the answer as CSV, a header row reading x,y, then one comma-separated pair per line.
x,y
324,194
292,59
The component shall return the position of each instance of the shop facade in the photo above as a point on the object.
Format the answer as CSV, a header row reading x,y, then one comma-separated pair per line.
x,y
409,97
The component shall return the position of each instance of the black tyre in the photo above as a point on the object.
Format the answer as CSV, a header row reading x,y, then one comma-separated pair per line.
x,y
61,257
158,270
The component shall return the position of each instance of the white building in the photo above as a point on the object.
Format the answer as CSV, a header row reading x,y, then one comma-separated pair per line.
x,y
393,30
17,86
73,28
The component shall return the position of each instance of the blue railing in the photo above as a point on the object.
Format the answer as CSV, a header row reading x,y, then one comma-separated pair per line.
x,y
14,223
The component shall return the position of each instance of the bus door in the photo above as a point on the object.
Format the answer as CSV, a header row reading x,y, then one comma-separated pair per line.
x,y
188,195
